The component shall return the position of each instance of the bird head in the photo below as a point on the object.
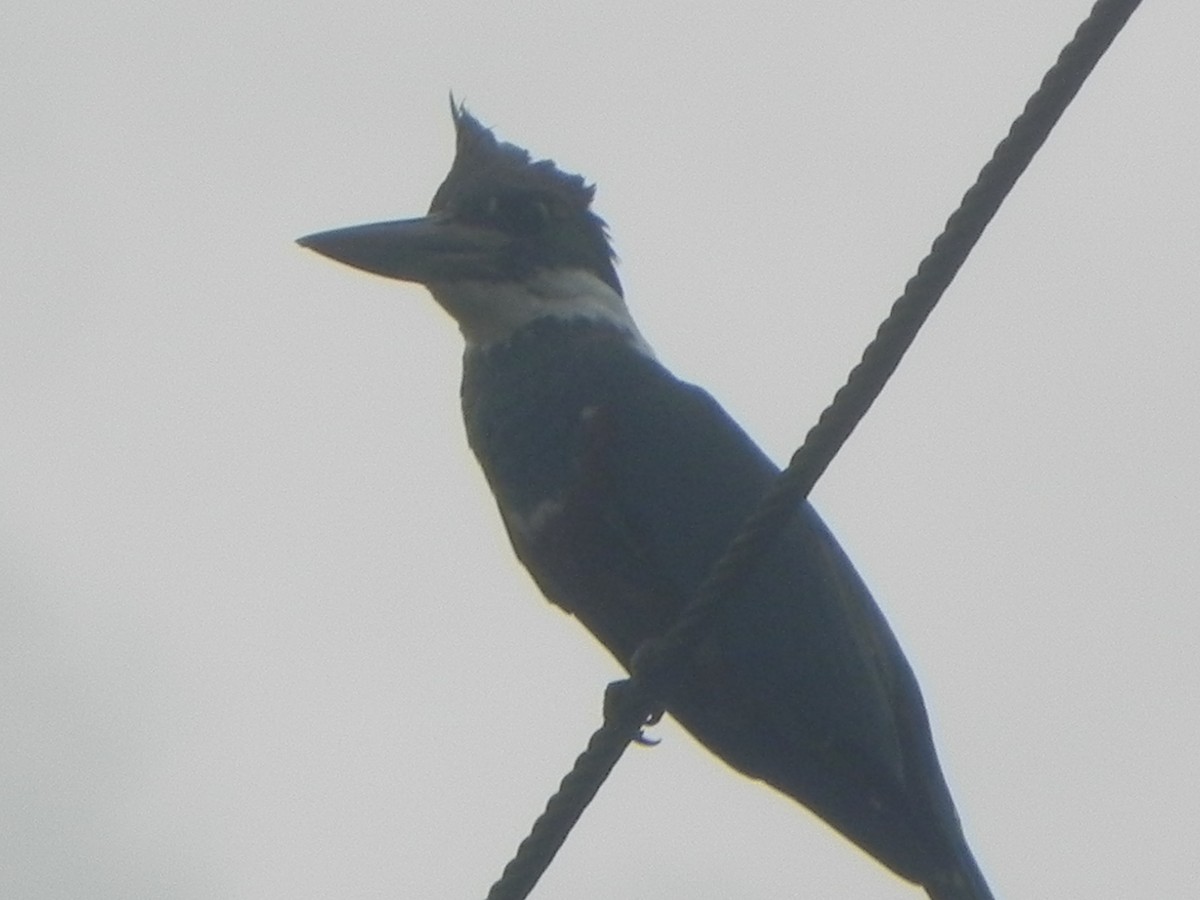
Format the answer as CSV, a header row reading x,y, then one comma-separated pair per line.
x,y
507,240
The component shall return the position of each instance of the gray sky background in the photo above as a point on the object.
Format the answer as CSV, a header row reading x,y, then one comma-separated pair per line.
x,y
260,632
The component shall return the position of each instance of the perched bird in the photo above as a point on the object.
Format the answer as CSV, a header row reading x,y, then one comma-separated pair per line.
x,y
620,486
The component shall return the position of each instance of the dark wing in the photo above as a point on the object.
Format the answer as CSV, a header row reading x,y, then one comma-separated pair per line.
x,y
801,683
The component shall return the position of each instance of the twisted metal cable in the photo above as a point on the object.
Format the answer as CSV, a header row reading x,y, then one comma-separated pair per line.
x,y
630,704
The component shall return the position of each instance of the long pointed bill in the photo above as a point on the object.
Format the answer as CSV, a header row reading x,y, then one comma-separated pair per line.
x,y
427,250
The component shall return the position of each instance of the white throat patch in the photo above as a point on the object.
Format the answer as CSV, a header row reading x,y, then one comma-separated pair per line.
x,y
488,312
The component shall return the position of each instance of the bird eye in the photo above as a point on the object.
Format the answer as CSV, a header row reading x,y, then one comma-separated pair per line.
x,y
516,213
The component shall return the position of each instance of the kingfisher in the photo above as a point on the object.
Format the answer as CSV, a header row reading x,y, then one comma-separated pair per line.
x,y
620,486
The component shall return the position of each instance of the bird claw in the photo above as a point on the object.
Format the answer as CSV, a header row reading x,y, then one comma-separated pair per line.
x,y
641,738
616,696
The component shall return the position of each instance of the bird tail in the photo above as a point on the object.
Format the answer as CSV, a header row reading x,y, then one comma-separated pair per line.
x,y
964,882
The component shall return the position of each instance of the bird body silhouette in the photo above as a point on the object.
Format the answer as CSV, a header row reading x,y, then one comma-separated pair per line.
x,y
620,486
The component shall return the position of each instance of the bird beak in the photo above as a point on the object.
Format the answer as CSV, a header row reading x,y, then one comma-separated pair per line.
x,y
427,250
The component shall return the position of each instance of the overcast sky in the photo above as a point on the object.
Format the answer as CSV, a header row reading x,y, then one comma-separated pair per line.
x,y
261,635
